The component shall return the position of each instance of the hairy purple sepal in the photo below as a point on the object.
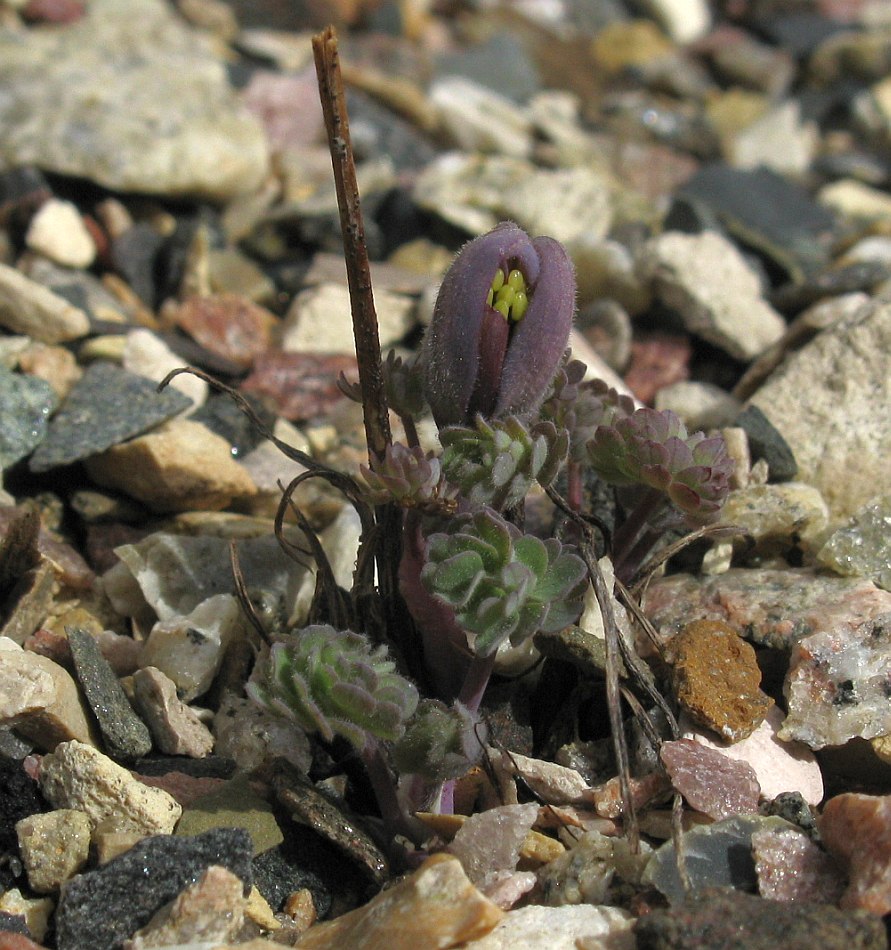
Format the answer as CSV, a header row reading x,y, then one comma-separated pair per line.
x,y
474,364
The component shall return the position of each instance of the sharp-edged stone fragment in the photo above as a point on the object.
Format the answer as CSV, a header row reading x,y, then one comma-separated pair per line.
x,y
712,783
40,698
125,735
106,406
79,776
175,727
491,840
791,867
27,403
54,847
862,548
437,906
98,910
856,829
560,928
32,309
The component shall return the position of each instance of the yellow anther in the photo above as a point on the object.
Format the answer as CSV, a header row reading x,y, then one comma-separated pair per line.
x,y
498,280
516,280
490,297
518,307
506,295
503,308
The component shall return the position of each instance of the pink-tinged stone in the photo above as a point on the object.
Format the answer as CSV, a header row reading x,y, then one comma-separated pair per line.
x,y
436,907
102,539
790,867
52,645
716,678
227,325
300,385
13,941
552,783
491,840
505,888
837,630
287,105
657,360
710,782
186,789
856,829
779,766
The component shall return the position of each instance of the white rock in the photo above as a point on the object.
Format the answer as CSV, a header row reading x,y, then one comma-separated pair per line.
x,y
717,294
190,649
779,766
583,927
700,405
477,118
778,140
146,354
58,232
319,320
78,776
31,309
175,727
249,736
491,840
552,783
826,400
683,20
854,199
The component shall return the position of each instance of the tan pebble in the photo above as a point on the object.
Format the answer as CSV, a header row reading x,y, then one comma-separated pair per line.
x,y
301,908
54,847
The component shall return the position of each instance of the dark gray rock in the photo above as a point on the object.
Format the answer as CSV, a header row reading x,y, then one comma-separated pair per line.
x,y
105,407
99,910
768,212
13,923
222,416
720,919
125,735
500,64
135,256
19,798
765,442
27,403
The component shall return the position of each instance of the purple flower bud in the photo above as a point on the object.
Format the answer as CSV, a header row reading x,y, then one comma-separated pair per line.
x,y
500,326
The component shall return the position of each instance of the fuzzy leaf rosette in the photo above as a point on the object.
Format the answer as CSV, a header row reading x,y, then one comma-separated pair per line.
x,y
503,585
335,683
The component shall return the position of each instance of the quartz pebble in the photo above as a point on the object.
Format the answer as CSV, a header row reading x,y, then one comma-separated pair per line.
x,y
716,679
560,928
491,840
435,906
78,776
58,232
707,280
790,867
718,786
54,847
862,548
146,354
856,829
778,517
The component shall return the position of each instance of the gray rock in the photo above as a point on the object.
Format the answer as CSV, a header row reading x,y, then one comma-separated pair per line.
x,y
125,735
863,547
717,855
729,920
765,442
27,403
100,909
105,407
827,402
128,97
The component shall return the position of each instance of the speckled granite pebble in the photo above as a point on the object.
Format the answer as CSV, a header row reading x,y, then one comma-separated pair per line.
x,y
125,735
106,406
100,909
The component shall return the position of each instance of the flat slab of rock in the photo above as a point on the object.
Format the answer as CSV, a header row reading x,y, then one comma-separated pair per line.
x,y
131,98
27,403
838,433
106,406
34,310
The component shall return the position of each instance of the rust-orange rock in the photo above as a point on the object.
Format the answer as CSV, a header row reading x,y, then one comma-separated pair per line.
x,y
716,679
